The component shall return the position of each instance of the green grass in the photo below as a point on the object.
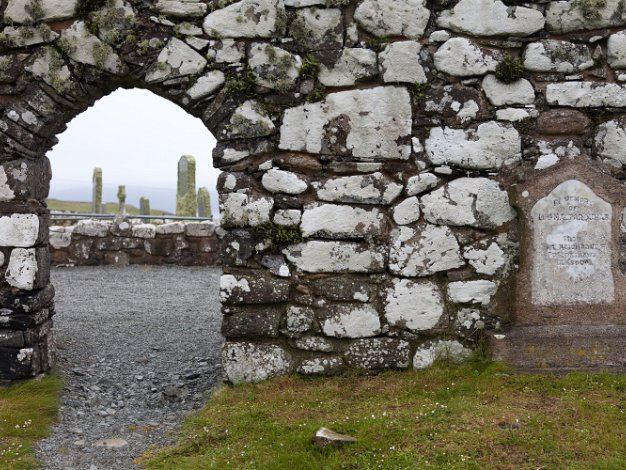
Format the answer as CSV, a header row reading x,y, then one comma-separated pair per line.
x,y
85,207
470,416
27,410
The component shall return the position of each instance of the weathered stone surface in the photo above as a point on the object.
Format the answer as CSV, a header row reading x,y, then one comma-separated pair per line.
x,y
338,221
21,11
616,50
24,36
378,353
199,229
423,251
273,67
460,104
420,183
40,65
400,62
19,230
572,247
253,287
415,306
477,202
440,351
502,94
327,438
59,238
177,59
352,65
92,228
206,85
366,189
586,94
250,362
566,16
181,8
87,48
288,217
489,146
343,288
23,268
249,120
491,18
170,228
609,141
321,365
335,257
383,18
315,343
350,321
514,114
279,181
475,292
407,212
373,124
22,179
241,209
461,57
551,55
299,319
316,29
247,19
485,259
562,122
252,322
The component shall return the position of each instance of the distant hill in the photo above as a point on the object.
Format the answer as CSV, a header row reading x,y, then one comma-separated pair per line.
x,y
85,207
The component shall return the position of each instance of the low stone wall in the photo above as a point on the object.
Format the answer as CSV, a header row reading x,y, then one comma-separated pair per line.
x,y
124,241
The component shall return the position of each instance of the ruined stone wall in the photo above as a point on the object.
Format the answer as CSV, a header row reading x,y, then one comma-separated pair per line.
x,y
125,241
368,147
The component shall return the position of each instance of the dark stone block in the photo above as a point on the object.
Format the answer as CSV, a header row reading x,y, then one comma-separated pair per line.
x,y
252,322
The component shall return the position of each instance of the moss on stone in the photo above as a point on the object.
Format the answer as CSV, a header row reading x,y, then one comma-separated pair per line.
x,y
85,7
310,67
241,83
278,234
510,69
418,91
589,8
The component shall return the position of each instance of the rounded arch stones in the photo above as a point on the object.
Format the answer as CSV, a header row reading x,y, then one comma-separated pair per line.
x,y
363,144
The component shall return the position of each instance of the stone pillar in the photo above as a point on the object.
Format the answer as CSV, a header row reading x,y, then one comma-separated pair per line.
x,y
144,206
121,197
96,198
204,203
186,190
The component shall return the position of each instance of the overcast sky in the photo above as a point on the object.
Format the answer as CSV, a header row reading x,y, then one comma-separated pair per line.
x,y
137,138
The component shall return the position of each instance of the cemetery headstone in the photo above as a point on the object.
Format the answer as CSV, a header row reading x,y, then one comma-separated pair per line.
x,y
186,189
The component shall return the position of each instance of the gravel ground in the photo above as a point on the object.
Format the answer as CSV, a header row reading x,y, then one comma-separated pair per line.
x,y
139,348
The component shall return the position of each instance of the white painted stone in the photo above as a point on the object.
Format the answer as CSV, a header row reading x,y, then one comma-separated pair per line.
x,y
177,59
485,261
146,231
384,18
92,228
85,47
288,217
280,181
181,8
246,19
353,64
567,16
341,221
512,114
6,193
400,62
372,123
551,55
28,36
240,209
273,67
350,321
461,57
477,202
407,212
421,183
206,85
475,292
610,141
335,257
490,146
249,362
586,94
361,189
17,10
423,251
502,94
415,306
616,50
22,270
443,350
250,120
491,18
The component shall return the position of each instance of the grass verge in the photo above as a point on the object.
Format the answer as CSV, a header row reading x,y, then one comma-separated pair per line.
x,y
465,416
27,410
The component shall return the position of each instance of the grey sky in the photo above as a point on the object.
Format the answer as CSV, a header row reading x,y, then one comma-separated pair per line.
x,y
136,137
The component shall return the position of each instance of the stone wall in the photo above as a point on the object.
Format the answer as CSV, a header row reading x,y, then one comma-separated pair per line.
x,y
369,149
126,241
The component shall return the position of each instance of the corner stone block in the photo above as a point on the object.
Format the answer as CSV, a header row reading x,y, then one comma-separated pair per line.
x,y
18,363
253,287
378,353
249,362
29,268
23,179
252,322
240,209
336,257
20,230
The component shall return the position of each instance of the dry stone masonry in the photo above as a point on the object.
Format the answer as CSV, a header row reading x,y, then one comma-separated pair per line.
x,y
401,178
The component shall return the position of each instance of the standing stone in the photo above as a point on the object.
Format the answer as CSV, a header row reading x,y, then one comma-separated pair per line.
x,y
144,206
96,198
186,203
204,203
121,197
572,247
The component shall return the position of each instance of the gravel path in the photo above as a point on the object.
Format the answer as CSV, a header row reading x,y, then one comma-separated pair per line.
x,y
140,348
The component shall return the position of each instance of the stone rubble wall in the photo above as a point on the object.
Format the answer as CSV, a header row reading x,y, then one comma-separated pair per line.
x,y
126,241
368,150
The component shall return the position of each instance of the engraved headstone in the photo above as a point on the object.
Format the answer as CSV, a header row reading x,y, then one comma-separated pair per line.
x,y
186,203
96,197
204,203
572,247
